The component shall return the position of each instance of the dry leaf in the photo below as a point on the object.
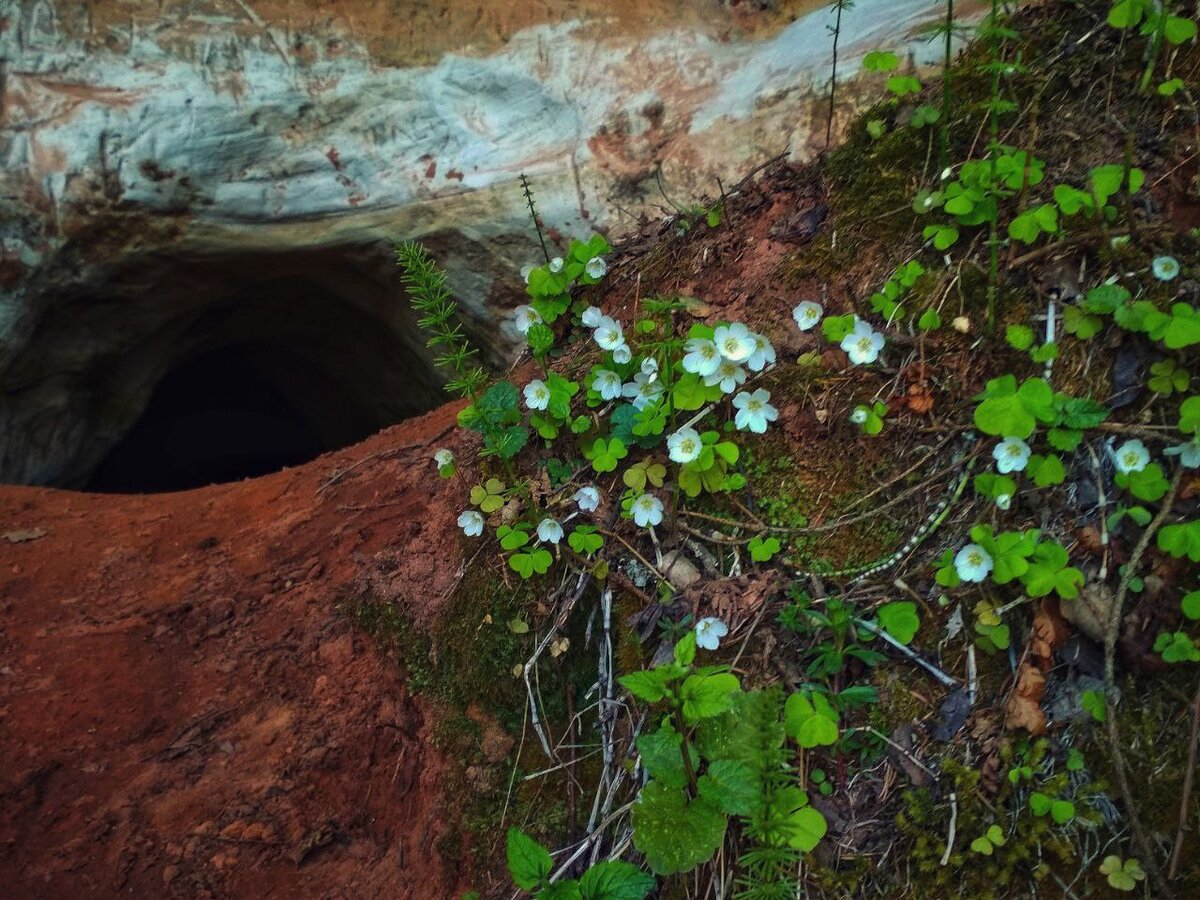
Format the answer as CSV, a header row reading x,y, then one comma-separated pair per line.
x,y
1050,631
919,399
1023,708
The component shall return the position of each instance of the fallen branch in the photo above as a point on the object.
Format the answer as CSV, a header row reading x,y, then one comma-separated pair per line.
x,y
1110,688
1189,781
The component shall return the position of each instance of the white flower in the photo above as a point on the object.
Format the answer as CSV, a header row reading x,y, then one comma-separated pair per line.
x,y
763,355
684,445
961,324
1165,268
1131,456
592,316
443,458
701,356
860,415
607,384
1189,453
596,267
862,344
525,317
1004,501
622,354
608,333
556,264
807,314
709,632
647,511
728,375
537,395
754,411
1011,455
644,389
972,563
526,270
549,531
734,342
649,366
588,498
471,523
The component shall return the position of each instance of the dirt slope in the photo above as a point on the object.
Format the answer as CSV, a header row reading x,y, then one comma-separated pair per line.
x,y
183,710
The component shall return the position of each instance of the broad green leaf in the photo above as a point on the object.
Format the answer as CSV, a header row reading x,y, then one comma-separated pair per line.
x,y
529,863
707,696
673,833
900,620
615,880
731,787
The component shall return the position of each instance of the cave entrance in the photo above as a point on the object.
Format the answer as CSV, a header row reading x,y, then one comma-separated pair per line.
x,y
232,413
286,365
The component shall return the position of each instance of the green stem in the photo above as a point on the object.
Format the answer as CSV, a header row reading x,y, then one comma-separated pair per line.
x,y
944,144
684,746
1155,47
837,30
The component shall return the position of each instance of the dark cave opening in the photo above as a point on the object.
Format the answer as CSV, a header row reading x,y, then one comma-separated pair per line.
x,y
293,358
236,412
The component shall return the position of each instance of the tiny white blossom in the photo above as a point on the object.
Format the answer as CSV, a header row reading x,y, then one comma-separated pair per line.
x,y
549,531
1011,455
1165,268
556,264
961,324
644,390
525,317
443,458
647,511
588,498
734,342
701,356
537,395
592,316
860,415
973,563
1131,456
763,355
684,445
607,384
609,334
471,523
754,411
807,314
728,375
709,632
862,344
649,366
526,270
1189,453
596,267
622,354
1004,501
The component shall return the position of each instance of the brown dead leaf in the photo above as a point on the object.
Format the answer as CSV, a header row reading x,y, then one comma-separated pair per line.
x,y
1090,540
1023,708
727,598
1050,631
23,535
919,400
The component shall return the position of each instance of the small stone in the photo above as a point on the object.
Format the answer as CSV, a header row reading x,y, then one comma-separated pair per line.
x,y
680,571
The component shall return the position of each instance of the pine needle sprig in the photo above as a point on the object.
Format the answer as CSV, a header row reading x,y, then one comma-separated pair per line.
x,y
431,298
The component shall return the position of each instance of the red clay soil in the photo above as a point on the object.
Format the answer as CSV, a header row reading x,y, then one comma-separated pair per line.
x,y
183,710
